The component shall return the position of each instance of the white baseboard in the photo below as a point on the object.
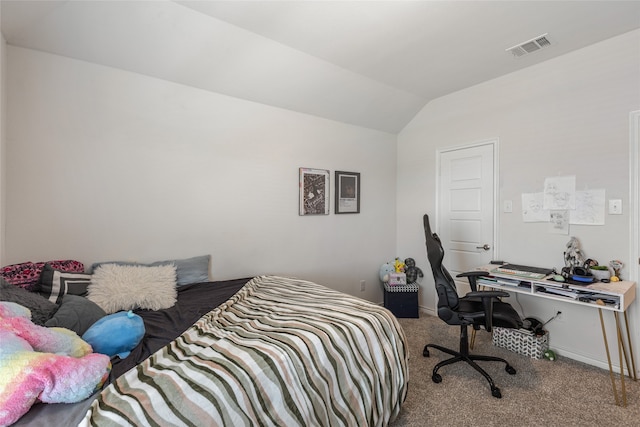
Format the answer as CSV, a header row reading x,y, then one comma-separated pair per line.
x,y
427,310
562,352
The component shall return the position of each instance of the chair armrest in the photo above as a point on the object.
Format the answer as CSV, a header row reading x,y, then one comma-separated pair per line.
x,y
472,276
487,304
488,294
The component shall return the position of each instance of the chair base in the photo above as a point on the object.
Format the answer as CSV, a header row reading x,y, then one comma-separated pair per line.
x,y
464,356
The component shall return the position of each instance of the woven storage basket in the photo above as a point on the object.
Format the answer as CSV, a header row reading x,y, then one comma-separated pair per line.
x,y
521,341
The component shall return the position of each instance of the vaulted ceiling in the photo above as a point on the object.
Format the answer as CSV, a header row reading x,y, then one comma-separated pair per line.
x,y
372,64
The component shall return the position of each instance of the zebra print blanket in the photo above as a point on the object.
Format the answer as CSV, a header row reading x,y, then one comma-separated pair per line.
x,y
281,352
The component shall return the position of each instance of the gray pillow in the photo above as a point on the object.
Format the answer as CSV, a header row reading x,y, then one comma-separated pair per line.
x,y
188,270
41,308
76,313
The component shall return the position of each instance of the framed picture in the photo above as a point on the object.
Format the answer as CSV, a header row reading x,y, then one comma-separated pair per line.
x,y
347,192
314,191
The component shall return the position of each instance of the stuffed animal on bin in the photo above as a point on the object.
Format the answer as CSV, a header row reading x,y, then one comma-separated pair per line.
x,y
386,269
412,271
51,365
399,265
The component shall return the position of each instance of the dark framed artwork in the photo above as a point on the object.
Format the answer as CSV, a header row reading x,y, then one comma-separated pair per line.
x,y
347,192
314,191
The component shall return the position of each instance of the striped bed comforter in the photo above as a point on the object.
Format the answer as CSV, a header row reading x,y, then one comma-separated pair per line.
x,y
281,352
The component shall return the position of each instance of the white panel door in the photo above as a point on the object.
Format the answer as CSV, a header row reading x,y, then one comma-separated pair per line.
x,y
466,203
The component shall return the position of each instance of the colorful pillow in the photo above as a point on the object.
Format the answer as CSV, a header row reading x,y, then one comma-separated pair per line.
x,y
52,365
125,287
27,274
24,275
68,265
54,283
41,308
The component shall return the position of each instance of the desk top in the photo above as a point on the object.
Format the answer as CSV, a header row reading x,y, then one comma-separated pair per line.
x,y
623,291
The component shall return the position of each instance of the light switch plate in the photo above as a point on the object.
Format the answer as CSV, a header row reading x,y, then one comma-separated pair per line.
x,y
508,206
615,207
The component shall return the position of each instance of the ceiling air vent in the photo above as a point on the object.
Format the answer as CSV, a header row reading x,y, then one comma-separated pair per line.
x,y
530,46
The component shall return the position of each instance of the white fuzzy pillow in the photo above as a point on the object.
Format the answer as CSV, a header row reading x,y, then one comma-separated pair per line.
x,y
125,287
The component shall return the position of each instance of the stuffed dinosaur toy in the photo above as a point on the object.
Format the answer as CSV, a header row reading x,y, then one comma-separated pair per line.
x,y
51,365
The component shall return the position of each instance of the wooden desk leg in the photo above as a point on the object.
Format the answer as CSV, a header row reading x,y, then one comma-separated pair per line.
x,y
473,339
623,356
622,342
633,362
606,347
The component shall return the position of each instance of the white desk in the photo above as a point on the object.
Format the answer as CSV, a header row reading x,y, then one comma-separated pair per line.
x,y
614,297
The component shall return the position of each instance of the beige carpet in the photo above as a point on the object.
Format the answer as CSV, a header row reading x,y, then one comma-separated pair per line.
x,y
542,393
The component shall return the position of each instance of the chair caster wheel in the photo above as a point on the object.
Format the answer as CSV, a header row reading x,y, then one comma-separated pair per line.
x,y
436,378
495,392
510,370
425,352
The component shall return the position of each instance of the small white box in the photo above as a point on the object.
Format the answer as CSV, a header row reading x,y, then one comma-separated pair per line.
x,y
397,279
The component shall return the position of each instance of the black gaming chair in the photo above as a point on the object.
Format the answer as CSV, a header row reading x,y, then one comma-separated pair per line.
x,y
477,308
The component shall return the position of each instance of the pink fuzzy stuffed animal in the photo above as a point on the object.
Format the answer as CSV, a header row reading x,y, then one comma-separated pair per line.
x,y
52,365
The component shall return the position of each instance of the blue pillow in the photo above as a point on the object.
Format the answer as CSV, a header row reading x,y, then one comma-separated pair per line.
x,y
190,270
116,334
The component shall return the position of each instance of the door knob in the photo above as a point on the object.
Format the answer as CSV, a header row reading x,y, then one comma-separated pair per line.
x,y
486,247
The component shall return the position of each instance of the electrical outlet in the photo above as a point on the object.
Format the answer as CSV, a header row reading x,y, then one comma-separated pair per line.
x,y
615,207
363,285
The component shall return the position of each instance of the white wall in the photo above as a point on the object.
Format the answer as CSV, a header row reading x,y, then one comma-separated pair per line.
x,y
3,111
566,116
106,164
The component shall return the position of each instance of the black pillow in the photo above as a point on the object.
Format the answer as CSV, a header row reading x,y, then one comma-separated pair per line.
x,y
76,313
54,284
41,308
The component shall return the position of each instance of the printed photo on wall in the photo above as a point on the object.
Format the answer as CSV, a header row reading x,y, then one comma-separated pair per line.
x,y
347,192
314,191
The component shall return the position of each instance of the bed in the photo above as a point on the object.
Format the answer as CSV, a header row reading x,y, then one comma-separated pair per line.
x,y
262,351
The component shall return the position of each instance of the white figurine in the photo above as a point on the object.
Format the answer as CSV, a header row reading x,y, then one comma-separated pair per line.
x,y
573,256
